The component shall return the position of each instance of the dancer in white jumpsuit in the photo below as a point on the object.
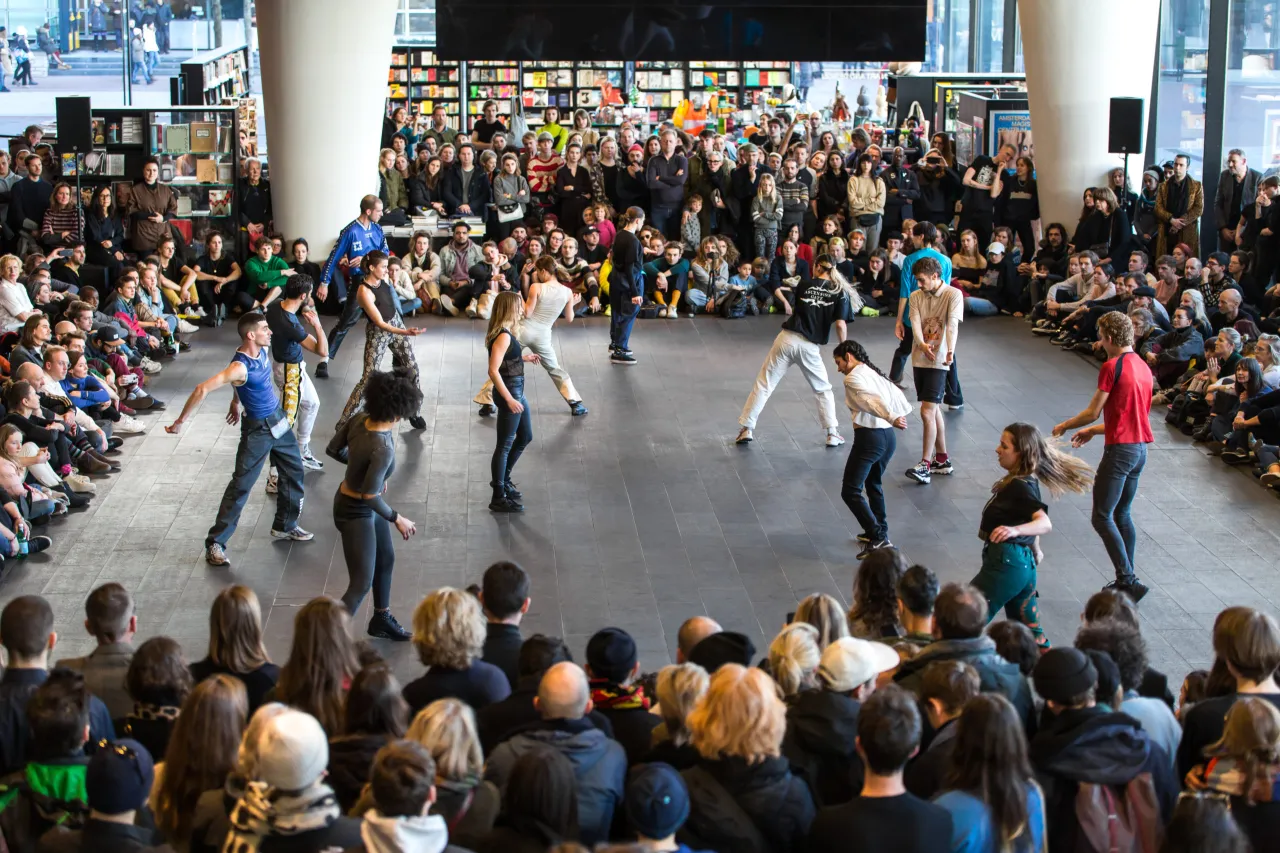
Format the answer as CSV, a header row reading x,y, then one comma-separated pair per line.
x,y
548,301
820,301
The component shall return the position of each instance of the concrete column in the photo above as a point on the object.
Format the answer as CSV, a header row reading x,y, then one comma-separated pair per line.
x,y
324,85
1080,54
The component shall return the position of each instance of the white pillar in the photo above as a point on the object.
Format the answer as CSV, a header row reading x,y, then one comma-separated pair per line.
x,y
324,86
1080,54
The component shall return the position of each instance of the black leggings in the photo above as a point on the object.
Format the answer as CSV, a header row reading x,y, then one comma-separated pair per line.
x,y
514,432
367,547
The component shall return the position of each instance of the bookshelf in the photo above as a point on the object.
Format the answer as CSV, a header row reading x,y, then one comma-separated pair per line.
x,y
119,148
590,77
199,155
420,81
660,86
491,80
210,77
763,76
546,84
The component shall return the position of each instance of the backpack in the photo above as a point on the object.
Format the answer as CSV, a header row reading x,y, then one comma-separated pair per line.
x,y
733,306
1116,819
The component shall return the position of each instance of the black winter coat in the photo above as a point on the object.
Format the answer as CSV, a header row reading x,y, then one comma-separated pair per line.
x,y
746,808
821,727
350,760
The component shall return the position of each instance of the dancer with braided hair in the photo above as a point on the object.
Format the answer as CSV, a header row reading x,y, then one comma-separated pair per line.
x,y
878,408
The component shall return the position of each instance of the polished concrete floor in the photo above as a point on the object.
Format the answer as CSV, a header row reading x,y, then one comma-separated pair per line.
x,y
645,512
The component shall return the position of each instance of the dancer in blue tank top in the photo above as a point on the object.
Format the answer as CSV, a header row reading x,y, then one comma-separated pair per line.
x,y
264,432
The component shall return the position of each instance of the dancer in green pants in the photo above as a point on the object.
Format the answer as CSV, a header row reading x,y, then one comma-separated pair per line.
x,y
1016,517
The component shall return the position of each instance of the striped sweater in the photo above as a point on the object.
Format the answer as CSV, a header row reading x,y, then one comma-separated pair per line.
x,y
57,221
542,173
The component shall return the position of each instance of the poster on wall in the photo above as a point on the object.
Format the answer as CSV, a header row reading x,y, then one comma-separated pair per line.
x,y
1012,127
964,144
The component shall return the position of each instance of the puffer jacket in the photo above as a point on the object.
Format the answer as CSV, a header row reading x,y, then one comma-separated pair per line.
x,y
746,808
995,674
821,727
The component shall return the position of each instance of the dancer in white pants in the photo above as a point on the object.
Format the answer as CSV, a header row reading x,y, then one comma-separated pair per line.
x,y
288,318
819,302
548,301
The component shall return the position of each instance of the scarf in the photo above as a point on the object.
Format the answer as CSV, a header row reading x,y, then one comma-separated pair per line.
x,y
1226,775
264,811
614,697
421,834
143,711
1177,197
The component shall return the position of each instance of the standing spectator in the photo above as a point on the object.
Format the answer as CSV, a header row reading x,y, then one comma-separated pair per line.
x,y
1019,201
110,618
885,816
98,15
902,189
504,595
138,58
26,631
1179,205
599,762
439,131
449,633
738,728
256,214
978,207
104,234
541,170
795,198
665,176
151,206
572,189
1237,188
29,199
236,647
465,188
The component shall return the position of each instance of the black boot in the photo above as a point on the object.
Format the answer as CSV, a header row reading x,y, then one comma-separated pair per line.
x,y
385,627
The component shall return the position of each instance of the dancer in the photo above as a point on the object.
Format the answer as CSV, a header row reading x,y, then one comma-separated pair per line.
x,y
936,310
548,301
626,286
506,372
1123,400
288,339
878,408
820,301
367,443
384,330
1015,518
362,236
264,432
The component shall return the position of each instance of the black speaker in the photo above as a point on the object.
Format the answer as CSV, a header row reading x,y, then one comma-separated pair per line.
x,y
1124,134
74,125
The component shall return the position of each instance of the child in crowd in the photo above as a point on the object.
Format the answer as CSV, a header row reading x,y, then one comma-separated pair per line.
x,y
690,225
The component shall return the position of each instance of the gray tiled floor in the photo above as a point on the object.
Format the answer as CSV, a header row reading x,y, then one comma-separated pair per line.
x,y
645,512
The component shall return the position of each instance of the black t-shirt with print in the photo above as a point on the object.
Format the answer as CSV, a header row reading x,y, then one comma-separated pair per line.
x,y
818,303
1013,503
984,172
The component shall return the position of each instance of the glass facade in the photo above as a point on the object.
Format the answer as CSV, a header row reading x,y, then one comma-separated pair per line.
x,y
1183,54
1251,121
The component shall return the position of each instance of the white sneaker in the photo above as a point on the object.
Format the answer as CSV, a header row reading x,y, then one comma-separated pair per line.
x,y
673,314
446,302
295,533
311,463
200,312
187,328
128,380
149,366
472,310
80,483
834,439
662,313
129,425
273,483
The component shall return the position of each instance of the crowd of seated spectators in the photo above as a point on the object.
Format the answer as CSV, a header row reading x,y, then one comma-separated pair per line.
x,y
907,723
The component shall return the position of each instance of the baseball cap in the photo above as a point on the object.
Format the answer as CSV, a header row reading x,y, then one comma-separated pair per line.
x,y
996,248
657,801
546,137
849,662
107,335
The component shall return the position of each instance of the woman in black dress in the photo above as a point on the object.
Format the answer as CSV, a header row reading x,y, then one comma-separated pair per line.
x,y
573,188
104,234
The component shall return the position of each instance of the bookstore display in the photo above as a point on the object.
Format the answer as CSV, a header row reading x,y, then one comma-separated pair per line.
x,y
497,81
198,152
546,84
210,78
599,84
420,81
659,87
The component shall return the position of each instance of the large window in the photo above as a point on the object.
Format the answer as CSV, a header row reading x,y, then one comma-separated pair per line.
x,y
1183,52
416,22
1252,117
989,35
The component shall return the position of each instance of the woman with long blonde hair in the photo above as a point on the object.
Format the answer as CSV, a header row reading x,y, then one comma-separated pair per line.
x,y
447,728
679,687
1015,518
794,657
506,371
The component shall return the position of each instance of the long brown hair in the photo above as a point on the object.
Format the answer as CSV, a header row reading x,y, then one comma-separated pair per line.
x,y
235,631
1060,472
1251,735
990,762
202,751
322,662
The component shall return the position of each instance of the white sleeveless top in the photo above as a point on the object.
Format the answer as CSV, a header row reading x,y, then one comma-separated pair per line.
x,y
552,297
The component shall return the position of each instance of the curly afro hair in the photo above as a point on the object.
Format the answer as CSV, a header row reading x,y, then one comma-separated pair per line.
x,y
391,396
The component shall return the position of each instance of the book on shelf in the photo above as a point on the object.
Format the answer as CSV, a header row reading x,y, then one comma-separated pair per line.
x,y
167,171
115,164
98,129
226,173
203,136
131,130
184,205
177,137
206,171
94,162
219,202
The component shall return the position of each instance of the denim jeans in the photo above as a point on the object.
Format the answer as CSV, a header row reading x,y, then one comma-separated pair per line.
x,y
1114,488
408,306
622,316
256,444
979,307
367,547
872,450
666,220
515,431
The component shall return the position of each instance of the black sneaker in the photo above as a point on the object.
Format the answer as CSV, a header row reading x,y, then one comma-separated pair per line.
x,y
863,538
920,473
1131,587
322,370
488,410
385,627
418,422
114,443
577,409
1061,338
936,467
513,493
622,357
505,504
1235,456
36,544
873,546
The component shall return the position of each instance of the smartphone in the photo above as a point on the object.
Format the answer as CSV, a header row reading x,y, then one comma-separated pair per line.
x,y
791,617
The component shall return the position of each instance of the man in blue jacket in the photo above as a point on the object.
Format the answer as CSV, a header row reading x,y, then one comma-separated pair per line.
x,y
358,239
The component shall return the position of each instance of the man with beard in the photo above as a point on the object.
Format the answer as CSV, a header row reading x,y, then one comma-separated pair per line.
x,y
1179,204
901,191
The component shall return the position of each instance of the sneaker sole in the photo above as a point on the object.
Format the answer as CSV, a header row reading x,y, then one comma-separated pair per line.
x,y
384,635
221,565
942,473
281,534
924,481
